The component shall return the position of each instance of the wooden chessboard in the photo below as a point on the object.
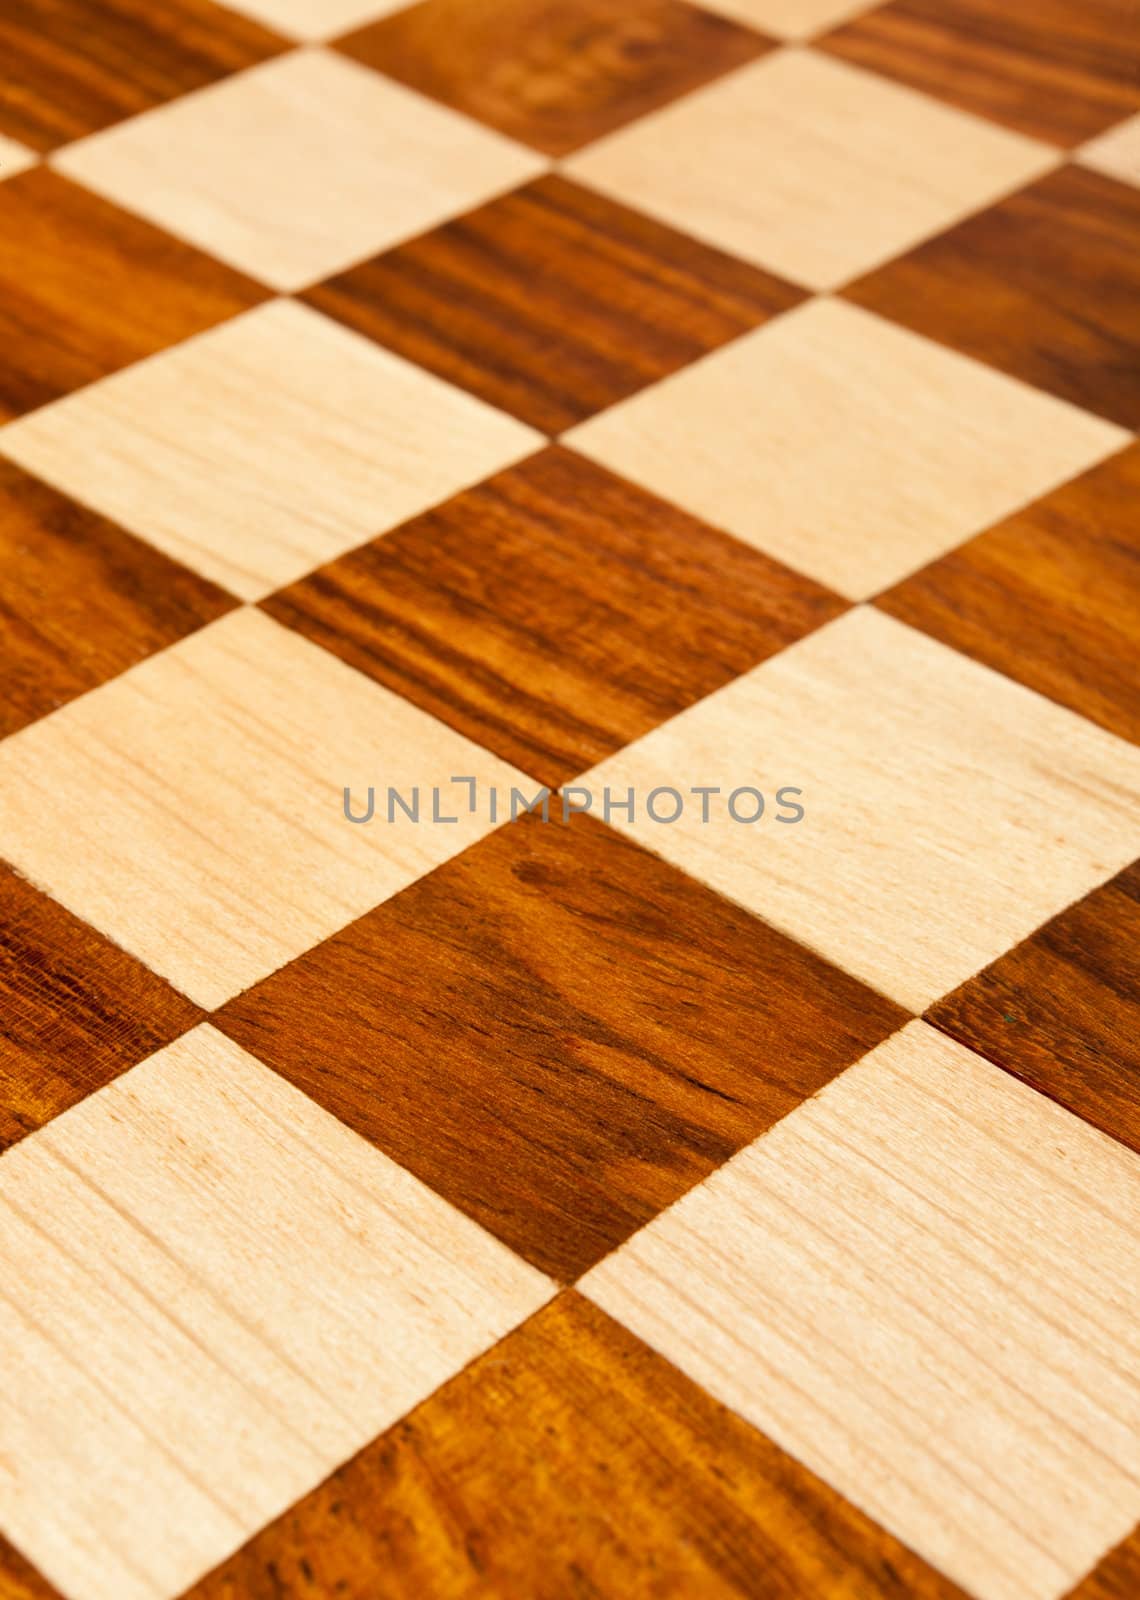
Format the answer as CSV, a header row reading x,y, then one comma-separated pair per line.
x,y
708,434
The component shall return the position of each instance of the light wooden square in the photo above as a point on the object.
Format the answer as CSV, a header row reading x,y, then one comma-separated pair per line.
x,y
788,19
318,19
298,168
214,1294
851,449
266,446
924,1284
14,157
843,169
192,809
1117,152
947,810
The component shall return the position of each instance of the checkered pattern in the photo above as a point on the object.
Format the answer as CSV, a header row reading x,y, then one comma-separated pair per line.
x,y
574,394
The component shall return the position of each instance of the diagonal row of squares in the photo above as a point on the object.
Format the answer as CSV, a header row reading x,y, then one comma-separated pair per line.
x,y
224,1292
558,74
956,808
284,1282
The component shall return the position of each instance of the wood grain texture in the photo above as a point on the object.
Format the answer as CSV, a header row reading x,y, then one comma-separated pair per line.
x,y
559,1033
1046,67
316,19
1116,1577
298,168
19,1580
844,169
572,1460
555,74
214,1294
1117,152
86,289
73,66
80,599
314,439
553,302
955,809
844,446
554,612
788,19
1050,597
210,780
1045,286
75,1010
925,1285
14,157
1062,1009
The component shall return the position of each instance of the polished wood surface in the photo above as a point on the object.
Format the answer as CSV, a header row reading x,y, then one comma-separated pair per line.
x,y
19,1580
1116,152
844,168
647,1488
554,1061
787,19
167,780
947,810
1117,1577
80,599
556,74
316,439
876,1285
165,1234
86,289
1062,1010
553,302
1045,286
475,612
76,1010
730,1186
1058,71
74,66
14,157
314,20
299,167
905,470
1051,596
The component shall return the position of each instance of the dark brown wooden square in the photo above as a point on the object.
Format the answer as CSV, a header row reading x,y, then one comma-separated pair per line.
x,y
571,1462
554,612
1048,68
553,302
72,67
1062,1009
1050,596
559,1032
86,289
555,74
80,599
75,1010
1044,285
